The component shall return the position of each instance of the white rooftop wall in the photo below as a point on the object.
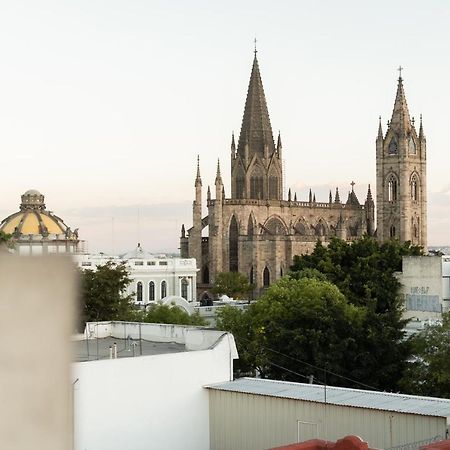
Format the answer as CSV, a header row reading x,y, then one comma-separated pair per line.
x,y
151,402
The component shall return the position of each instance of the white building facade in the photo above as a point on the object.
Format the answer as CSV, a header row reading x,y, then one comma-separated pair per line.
x,y
154,277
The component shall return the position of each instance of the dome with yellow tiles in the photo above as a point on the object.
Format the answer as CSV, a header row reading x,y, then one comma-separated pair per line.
x,y
34,225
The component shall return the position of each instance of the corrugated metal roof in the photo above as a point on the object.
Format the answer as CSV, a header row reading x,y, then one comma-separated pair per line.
x,y
385,401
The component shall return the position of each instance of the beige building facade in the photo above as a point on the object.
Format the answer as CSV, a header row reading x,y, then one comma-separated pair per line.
x,y
257,232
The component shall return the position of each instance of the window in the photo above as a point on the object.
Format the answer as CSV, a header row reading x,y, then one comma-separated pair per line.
x,y
151,291
392,232
273,187
234,245
250,228
412,146
86,264
163,289
266,277
184,288
300,229
320,229
163,263
414,189
257,184
393,149
139,263
240,185
392,189
139,291
250,277
205,274
151,263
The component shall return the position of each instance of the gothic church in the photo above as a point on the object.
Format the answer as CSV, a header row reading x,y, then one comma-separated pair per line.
x,y
257,232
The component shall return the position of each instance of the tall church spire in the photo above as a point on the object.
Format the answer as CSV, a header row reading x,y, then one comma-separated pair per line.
x,y
400,121
256,123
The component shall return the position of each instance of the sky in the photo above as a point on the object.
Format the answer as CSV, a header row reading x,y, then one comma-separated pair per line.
x,y
105,105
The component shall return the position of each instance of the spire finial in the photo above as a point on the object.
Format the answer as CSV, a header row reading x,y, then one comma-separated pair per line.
x,y
400,68
198,179
352,184
255,51
218,176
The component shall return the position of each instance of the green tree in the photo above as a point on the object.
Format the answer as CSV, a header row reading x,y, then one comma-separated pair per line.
x,y
311,322
428,372
240,323
5,241
364,272
159,313
232,284
103,293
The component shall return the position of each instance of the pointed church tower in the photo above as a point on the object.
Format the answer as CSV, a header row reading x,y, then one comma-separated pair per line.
x,y
401,177
256,171
195,233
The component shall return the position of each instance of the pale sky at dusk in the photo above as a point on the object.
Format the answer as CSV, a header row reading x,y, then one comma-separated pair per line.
x,y
104,105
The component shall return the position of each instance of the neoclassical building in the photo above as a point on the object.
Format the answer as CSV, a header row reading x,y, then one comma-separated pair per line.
x,y
257,232
154,277
36,231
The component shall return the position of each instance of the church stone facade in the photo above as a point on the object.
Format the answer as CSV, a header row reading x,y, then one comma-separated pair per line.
x,y
257,232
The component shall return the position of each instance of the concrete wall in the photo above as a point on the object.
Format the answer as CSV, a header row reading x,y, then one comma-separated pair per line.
x,y
422,286
149,402
37,299
253,422
194,338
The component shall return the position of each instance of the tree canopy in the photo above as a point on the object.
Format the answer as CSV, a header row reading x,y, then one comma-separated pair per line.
x,y
338,315
5,240
428,372
232,284
364,271
103,293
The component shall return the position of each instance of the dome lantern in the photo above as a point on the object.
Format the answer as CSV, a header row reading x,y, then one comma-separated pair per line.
x,y
33,200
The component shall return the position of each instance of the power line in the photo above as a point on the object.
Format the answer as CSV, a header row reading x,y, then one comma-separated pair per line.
x,y
319,368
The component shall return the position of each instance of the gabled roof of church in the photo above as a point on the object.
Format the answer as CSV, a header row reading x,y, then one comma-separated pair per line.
x,y
256,128
400,121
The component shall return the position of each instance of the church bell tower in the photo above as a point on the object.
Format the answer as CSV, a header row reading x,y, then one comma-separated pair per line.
x,y
401,177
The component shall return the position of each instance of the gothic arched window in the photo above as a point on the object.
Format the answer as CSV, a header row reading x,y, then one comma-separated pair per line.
x,y
266,277
300,229
163,289
257,184
250,227
251,276
151,291
412,146
234,245
393,148
273,187
414,189
240,185
139,291
392,232
184,288
205,275
320,229
392,189
274,226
